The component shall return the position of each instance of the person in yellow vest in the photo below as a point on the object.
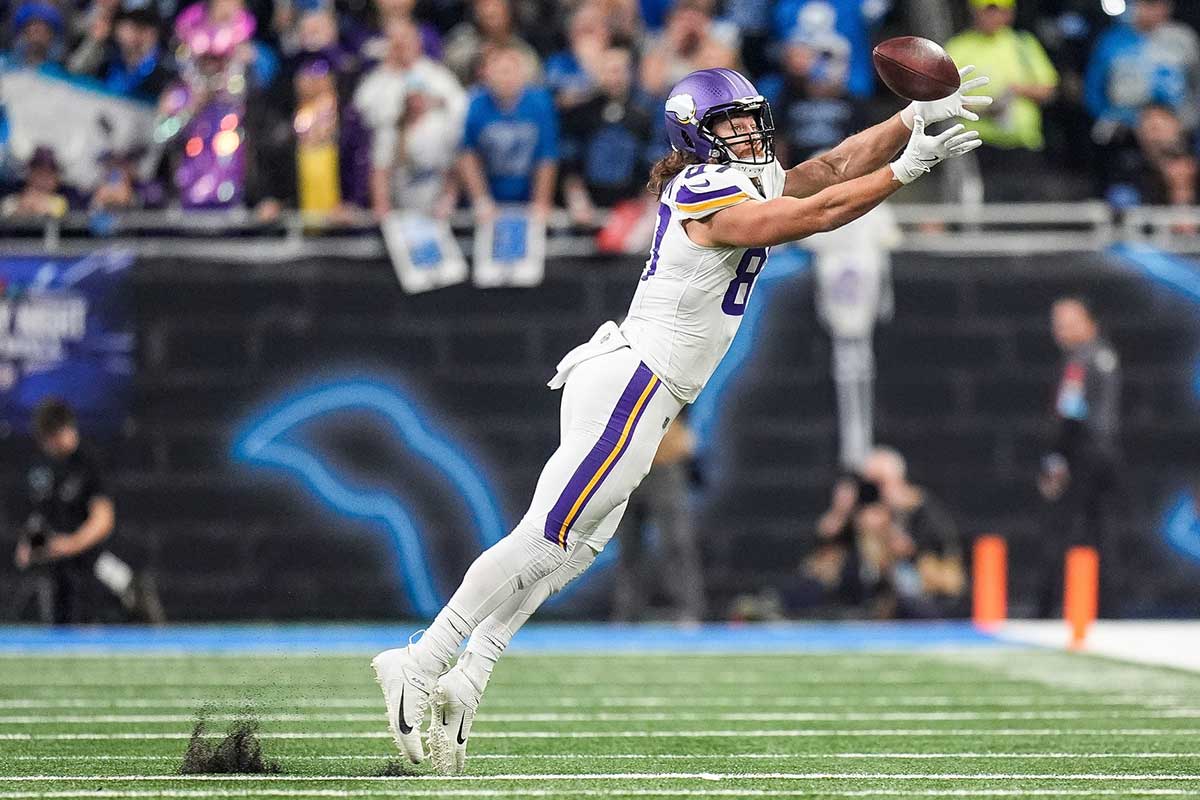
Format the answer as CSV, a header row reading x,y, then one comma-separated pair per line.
x,y
1023,80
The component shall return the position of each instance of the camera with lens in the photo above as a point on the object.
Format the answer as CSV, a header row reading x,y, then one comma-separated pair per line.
x,y
37,532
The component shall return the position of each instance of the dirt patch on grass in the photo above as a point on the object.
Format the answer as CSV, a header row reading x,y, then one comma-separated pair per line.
x,y
238,753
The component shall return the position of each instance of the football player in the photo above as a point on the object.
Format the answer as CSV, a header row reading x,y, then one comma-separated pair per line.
x,y
724,201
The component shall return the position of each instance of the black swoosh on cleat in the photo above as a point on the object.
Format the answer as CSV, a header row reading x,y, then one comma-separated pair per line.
x,y
404,727
461,722
444,723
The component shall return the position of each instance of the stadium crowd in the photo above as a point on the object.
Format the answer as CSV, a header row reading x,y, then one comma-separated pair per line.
x,y
327,105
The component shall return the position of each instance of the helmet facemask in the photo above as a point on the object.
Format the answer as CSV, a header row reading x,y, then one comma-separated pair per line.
x,y
761,141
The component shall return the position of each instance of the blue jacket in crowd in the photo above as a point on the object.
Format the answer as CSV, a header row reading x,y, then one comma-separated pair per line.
x,y
511,143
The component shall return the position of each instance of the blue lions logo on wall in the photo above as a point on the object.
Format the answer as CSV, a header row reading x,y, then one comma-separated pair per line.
x,y
271,441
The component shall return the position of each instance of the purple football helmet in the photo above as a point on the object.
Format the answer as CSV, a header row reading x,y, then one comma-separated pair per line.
x,y
708,96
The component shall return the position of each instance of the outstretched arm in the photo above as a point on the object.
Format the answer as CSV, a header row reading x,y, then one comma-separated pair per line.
x,y
868,150
786,219
856,156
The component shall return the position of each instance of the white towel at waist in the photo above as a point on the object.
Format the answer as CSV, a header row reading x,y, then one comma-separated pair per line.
x,y
606,339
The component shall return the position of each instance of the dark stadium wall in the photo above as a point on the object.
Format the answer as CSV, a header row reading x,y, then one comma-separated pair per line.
x,y
294,423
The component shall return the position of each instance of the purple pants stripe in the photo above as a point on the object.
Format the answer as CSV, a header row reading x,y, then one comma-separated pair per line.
x,y
597,465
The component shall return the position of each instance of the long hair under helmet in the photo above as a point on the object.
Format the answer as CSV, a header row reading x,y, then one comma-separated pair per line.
x,y
708,96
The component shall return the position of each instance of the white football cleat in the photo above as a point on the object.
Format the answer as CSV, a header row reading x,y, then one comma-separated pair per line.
x,y
406,692
452,710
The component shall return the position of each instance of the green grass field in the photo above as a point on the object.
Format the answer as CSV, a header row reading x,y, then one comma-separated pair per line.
x,y
982,722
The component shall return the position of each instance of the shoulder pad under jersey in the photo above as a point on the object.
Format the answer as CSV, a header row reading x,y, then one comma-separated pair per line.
x,y
703,189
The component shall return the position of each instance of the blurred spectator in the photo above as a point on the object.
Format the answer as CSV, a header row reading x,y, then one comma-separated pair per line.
x,y
1022,80
824,20
661,502
389,11
318,172
1068,29
308,148
492,25
754,23
931,582
415,110
224,29
813,110
43,194
511,137
37,43
654,13
1154,166
690,41
1022,77
121,185
91,18
315,36
127,56
205,111
606,141
71,518
571,73
1149,60
1079,473
624,20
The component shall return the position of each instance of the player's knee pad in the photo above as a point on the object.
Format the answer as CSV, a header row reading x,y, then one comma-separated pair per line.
x,y
542,557
581,558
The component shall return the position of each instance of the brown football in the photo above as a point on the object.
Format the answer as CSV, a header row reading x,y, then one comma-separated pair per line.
x,y
916,68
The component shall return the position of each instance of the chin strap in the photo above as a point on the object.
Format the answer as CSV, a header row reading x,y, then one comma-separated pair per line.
x,y
720,156
754,171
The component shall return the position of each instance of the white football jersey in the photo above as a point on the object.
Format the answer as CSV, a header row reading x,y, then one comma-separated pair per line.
x,y
690,300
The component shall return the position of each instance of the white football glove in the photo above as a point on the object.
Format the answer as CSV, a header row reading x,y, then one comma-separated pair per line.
x,y
925,152
934,111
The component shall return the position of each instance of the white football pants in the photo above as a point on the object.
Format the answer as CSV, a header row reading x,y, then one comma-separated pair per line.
x,y
613,415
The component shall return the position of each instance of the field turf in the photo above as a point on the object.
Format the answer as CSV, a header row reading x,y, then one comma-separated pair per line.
x,y
976,722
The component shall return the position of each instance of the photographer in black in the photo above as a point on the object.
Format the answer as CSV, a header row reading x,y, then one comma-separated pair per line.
x,y
71,516
853,568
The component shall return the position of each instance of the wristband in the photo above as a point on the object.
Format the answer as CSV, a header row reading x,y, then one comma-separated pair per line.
x,y
907,169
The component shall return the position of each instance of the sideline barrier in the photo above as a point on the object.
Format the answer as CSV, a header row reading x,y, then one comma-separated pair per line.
x,y
990,584
1081,589
943,228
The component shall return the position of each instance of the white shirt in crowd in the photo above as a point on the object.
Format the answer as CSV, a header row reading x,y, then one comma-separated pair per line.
x,y
420,157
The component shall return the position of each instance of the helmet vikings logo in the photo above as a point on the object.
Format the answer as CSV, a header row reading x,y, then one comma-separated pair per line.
x,y
683,106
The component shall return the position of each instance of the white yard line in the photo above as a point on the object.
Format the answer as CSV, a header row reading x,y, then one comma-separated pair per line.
x,y
688,716
799,677
741,700
831,657
658,734
621,776
654,756
204,793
